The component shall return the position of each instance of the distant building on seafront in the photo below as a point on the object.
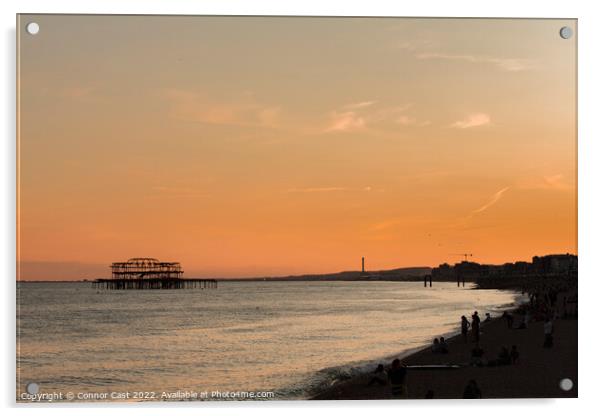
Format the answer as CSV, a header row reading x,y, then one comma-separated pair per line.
x,y
550,265
555,264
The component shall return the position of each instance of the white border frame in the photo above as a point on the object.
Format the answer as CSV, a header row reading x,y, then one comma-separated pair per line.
x,y
590,166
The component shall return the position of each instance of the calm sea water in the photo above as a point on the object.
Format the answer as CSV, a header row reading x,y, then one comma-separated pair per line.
x,y
289,338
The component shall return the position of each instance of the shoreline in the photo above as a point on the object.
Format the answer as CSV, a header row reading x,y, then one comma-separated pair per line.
x,y
365,367
533,376
405,356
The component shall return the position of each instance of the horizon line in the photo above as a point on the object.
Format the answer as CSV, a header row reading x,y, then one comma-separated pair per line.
x,y
299,275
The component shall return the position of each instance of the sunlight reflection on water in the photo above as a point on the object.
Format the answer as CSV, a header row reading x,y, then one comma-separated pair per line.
x,y
273,336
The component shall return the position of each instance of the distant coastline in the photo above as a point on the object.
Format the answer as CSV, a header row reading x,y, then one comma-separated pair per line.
x,y
507,275
400,274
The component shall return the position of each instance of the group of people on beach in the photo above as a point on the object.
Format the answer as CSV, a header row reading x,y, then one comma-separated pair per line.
x,y
440,346
396,376
553,300
546,303
477,354
474,327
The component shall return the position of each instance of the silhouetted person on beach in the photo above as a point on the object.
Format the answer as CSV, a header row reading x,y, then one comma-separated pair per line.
x,y
435,348
379,376
472,391
464,325
548,331
476,327
443,347
397,377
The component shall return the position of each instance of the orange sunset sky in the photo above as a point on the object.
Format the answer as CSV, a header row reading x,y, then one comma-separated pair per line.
x,y
276,146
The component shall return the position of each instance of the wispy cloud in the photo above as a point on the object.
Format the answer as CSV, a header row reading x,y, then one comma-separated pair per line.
x,y
427,49
361,115
492,201
472,120
361,104
550,182
505,64
556,181
345,121
243,110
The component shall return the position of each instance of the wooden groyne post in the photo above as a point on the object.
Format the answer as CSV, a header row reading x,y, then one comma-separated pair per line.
x,y
463,281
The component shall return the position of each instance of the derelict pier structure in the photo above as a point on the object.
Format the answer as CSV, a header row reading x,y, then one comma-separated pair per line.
x,y
149,273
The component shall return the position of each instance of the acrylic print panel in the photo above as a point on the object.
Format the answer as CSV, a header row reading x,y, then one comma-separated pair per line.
x,y
271,208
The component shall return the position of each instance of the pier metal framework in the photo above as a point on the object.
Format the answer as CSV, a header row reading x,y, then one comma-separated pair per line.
x,y
146,268
150,273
